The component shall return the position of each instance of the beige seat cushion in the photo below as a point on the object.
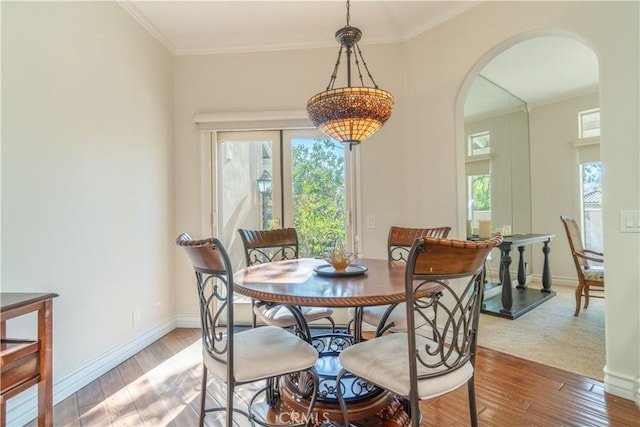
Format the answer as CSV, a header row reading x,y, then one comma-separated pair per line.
x,y
594,274
384,362
264,352
281,316
398,316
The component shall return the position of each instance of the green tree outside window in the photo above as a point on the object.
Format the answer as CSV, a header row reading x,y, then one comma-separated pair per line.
x,y
481,187
318,178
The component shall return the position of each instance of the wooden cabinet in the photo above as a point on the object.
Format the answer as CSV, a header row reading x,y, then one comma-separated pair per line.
x,y
25,363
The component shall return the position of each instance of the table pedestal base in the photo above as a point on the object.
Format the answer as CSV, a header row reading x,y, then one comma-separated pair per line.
x,y
383,410
524,300
368,405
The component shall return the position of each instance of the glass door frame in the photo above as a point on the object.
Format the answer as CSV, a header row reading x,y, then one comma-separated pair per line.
x,y
281,176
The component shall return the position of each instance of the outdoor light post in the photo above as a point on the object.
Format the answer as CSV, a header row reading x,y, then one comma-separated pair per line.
x,y
265,187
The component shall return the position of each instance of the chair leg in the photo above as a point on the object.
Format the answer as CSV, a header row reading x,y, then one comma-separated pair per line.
x,y
472,403
253,313
229,409
333,324
415,411
203,395
586,297
356,325
343,405
578,298
314,395
350,326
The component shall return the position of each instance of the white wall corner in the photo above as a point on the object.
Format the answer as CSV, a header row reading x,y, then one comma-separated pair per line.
x,y
621,385
188,320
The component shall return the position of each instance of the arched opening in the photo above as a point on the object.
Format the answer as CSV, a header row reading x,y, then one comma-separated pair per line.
x,y
549,79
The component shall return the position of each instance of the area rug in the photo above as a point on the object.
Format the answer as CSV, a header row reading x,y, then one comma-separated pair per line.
x,y
551,335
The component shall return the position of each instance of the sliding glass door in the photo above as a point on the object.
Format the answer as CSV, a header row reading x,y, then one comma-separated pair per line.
x,y
275,179
316,192
242,159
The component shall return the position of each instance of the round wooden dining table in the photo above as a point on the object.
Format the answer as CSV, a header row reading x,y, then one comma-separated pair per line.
x,y
366,282
313,282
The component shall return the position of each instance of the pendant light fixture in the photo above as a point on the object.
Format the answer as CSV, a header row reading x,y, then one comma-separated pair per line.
x,y
353,113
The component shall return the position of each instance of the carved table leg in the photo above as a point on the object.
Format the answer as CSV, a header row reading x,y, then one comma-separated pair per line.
x,y
522,277
507,297
546,272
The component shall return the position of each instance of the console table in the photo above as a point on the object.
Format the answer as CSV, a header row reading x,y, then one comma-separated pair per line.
x,y
25,363
514,302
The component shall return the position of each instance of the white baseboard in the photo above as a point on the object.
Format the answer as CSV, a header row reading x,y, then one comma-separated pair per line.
x,y
621,385
537,278
22,408
188,321
559,280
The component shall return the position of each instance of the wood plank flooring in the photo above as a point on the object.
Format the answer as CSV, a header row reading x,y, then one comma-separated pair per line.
x,y
160,386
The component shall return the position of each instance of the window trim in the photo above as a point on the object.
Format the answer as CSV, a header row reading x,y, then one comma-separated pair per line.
x,y
584,142
471,153
581,130
255,120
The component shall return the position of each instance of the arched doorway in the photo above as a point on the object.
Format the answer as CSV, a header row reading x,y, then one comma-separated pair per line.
x,y
555,78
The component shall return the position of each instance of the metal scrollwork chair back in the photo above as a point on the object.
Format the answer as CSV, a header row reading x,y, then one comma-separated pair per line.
x,y
419,363
400,239
391,317
266,353
261,246
588,265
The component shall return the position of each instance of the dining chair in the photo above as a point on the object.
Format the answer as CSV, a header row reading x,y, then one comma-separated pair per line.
x,y
236,358
590,276
422,363
391,317
261,246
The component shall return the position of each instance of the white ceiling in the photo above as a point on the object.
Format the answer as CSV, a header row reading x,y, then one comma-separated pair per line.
x,y
545,69
217,26
537,71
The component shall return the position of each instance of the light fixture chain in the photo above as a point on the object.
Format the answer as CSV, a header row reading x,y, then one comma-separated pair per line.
x,y
365,67
358,64
348,14
332,80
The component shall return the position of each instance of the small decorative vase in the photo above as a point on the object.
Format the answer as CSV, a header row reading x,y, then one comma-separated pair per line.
x,y
339,258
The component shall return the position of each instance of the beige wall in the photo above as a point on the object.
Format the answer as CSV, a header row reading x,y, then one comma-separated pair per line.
x,y
554,129
87,181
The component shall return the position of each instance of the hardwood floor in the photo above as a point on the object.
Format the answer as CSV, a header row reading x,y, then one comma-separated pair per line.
x,y
160,386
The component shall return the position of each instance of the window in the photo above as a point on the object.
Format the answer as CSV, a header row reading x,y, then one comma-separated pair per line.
x,y
289,178
318,193
590,172
479,143
591,203
479,196
589,123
